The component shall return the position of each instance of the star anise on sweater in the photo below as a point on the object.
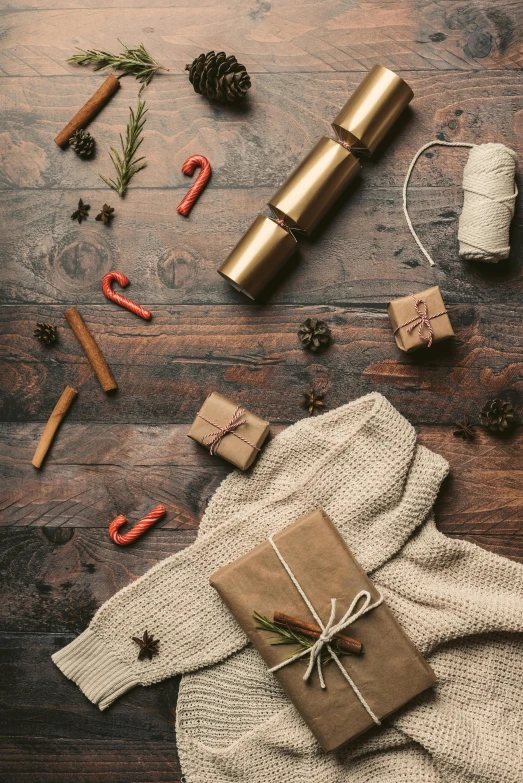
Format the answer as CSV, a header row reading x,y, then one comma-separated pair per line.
x,y
465,429
106,214
82,212
148,646
312,400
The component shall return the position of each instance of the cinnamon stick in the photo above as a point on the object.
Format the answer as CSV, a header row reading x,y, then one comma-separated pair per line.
x,y
93,353
345,643
54,421
89,110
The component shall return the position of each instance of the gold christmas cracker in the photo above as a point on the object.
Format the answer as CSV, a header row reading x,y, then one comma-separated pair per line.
x,y
307,195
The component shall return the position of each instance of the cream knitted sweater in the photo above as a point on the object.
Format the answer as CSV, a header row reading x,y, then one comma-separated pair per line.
x,y
462,606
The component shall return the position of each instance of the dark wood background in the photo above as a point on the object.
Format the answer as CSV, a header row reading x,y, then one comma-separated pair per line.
x,y
125,454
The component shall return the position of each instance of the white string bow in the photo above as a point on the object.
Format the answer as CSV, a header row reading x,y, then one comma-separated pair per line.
x,y
328,632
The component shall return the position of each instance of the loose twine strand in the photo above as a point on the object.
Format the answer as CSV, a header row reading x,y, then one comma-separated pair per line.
x,y
488,204
328,633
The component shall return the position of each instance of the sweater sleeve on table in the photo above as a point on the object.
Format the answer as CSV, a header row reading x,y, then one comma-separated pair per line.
x,y
176,604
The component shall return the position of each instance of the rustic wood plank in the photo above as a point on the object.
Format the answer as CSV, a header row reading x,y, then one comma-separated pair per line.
x,y
99,471
62,575
256,143
49,760
166,368
43,703
95,494
418,34
364,252
482,498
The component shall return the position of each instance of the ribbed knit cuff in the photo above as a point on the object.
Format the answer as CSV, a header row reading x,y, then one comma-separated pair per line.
x,y
98,674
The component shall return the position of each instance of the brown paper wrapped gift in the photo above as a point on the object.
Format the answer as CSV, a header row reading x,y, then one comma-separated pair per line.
x,y
419,320
389,672
242,433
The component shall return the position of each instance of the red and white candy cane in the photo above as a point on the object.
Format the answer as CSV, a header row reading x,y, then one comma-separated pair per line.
x,y
138,530
185,205
118,298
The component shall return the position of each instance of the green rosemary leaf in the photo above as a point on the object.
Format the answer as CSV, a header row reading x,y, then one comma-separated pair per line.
x,y
288,636
134,61
127,164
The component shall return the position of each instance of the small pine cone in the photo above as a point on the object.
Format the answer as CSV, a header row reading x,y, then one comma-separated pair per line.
x,y
82,143
314,334
46,333
219,77
498,416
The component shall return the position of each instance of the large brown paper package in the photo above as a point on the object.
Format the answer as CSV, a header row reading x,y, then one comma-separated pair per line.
x,y
389,673
219,410
403,310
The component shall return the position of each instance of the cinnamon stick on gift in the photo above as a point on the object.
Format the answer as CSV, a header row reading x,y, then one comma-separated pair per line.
x,y
345,643
54,421
93,353
89,110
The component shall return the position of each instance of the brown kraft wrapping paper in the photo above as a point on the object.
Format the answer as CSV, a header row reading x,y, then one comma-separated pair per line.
x,y
403,310
220,410
389,673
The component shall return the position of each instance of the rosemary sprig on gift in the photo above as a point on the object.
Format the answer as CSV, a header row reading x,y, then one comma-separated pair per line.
x,y
134,61
289,636
127,165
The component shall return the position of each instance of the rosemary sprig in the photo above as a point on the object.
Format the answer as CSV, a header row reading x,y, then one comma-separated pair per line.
x,y
127,165
288,636
135,61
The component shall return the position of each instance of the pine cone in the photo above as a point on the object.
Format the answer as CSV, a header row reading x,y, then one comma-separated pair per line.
x,y
46,333
219,77
82,143
498,416
314,334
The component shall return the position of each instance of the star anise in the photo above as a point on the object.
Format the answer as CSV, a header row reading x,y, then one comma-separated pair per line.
x,y
312,400
106,214
82,212
465,429
148,646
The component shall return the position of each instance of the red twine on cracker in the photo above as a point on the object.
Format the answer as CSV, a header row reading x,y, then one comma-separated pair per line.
x,y
118,298
138,530
421,320
218,436
345,144
185,205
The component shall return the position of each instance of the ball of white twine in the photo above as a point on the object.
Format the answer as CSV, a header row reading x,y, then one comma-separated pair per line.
x,y
488,203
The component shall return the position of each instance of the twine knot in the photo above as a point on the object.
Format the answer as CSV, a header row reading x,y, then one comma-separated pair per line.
x,y
217,437
328,631
422,320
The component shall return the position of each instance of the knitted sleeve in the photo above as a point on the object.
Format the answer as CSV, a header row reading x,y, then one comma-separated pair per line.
x,y
175,603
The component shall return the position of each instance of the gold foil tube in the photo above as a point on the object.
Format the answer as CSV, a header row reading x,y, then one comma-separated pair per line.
x,y
259,255
311,190
372,109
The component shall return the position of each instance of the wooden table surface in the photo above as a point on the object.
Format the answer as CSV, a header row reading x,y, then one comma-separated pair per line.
x,y
126,453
